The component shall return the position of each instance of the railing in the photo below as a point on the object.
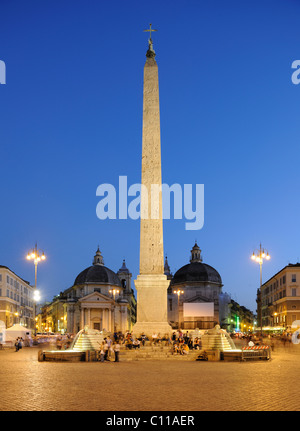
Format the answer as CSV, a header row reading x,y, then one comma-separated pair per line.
x,y
256,352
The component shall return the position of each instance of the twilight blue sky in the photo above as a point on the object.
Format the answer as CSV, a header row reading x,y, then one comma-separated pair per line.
x,y
71,119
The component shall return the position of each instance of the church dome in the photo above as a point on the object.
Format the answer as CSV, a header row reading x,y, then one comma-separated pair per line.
x,y
98,273
196,270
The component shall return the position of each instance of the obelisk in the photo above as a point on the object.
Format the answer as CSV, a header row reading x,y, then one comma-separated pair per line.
x,y
151,283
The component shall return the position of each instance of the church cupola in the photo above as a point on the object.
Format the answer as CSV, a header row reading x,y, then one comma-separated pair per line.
x,y
125,277
167,270
196,254
98,259
123,267
167,267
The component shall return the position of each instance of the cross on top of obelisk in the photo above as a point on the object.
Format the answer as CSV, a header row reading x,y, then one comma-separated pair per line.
x,y
150,52
150,29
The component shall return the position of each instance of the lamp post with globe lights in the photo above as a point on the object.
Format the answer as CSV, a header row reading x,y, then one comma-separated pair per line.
x,y
37,256
36,299
114,292
259,256
178,292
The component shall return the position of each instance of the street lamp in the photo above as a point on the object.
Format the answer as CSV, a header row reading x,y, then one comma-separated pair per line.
x,y
114,292
37,256
36,299
178,292
259,256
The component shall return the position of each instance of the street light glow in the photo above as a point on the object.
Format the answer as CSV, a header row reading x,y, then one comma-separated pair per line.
x,y
259,256
37,256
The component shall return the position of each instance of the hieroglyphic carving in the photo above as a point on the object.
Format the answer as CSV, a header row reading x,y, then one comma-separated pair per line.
x,y
151,240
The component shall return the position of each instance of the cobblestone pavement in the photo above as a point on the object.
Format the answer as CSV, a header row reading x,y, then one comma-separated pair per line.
x,y
27,384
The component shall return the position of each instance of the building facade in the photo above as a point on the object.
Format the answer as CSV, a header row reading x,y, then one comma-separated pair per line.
x,y
16,300
99,298
279,299
193,294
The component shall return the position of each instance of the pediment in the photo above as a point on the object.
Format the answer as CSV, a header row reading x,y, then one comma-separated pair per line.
x,y
199,298
96,297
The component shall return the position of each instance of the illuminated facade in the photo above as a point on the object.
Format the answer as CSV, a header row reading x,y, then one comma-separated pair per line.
x,y
193,295
16,299
280,298
99,298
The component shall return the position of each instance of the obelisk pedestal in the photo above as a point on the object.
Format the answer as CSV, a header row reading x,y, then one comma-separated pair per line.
x,y
151,283
152,305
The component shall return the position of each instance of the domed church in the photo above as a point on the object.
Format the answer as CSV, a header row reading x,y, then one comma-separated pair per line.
x,y
100,299
193,294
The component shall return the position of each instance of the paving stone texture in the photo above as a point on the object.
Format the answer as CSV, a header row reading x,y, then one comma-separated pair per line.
x,y
27,384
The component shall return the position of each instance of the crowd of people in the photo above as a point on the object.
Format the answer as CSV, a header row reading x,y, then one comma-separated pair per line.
x,y
19,343
182,343
179,342
109,350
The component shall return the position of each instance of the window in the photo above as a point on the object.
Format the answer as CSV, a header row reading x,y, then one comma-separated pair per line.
x,y
294,278
7,293
0,277
283,279
0,292
97,289
294,292
7,279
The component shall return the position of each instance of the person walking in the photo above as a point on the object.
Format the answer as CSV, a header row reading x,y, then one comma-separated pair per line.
x,y
109,342
105,348
117,351
17,344
101,352
143,338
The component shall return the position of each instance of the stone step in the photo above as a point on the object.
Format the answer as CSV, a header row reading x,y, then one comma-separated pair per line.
x,y
147,354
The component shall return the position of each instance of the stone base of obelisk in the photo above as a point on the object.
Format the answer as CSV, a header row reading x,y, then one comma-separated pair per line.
x,y
152,313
